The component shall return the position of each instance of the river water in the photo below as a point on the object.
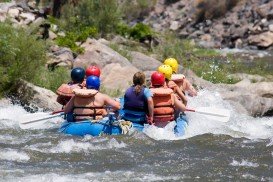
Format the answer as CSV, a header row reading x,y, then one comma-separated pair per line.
x,y
239,150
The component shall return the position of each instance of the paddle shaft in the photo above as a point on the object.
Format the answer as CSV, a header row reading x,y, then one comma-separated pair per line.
x,y
211,114
41,119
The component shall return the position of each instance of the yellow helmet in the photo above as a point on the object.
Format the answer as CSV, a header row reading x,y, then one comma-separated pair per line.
x,y
166,70
172,63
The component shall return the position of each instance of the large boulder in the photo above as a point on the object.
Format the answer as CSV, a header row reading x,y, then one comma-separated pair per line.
x,y
96,53
256,98
144,62
117,77
37,97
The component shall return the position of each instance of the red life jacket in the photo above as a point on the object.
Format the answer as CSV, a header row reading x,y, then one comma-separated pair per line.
x,y
84,107
163,105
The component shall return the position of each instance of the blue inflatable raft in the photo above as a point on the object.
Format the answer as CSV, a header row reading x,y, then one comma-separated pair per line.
x,y
107,125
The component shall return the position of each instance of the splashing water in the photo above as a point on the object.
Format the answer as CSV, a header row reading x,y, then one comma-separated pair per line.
x,y
240,149
238,126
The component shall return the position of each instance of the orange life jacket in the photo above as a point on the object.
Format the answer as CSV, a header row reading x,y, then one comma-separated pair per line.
x,y
84,107
163,105
65,92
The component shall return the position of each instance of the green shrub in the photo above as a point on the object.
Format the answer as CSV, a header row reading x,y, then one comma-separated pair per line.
x,y
104,15
70,39
138,32
123,29
171,46
52,79
141,32
20,56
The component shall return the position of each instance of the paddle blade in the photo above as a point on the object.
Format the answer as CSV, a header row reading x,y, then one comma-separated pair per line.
x,y
213,113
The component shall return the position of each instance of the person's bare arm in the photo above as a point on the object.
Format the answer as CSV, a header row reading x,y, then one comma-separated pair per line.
x,y
150,110
187,86
69,106
109,101
179,104
150,106
181,95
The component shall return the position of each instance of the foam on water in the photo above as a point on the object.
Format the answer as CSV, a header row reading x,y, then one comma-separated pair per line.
x,y
13,155
95,177
238,126
166,133
9,115
73,146
244,163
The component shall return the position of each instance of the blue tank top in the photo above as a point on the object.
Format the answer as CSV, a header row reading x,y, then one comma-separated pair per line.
x,y
135,102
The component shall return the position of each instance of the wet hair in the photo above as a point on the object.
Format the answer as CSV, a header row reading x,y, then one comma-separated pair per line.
x,y
138,80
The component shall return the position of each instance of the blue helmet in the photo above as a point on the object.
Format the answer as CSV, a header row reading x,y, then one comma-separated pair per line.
x,y
77,75
93,82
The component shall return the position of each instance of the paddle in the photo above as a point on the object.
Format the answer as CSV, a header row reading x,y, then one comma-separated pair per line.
x,y
33,119
222,115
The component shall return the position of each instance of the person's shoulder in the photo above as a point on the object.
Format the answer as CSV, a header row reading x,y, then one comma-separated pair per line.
x,y
102,95
147,89
171,82
147,92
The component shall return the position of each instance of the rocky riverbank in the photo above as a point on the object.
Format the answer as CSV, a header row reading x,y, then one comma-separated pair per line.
x,y
217,24
247,97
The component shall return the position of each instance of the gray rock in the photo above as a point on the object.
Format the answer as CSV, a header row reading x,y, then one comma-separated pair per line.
x,y
256,98
263,40
99,54
174,25
270,27
52,35
117,77
30,94
28,16
13,12
143,62
60,57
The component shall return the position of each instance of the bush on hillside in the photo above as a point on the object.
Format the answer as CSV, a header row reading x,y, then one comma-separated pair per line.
x,y
104,15
70,39
52,79
20,56
139,31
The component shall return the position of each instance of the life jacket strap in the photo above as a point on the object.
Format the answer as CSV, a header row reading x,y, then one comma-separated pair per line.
x,y
91,115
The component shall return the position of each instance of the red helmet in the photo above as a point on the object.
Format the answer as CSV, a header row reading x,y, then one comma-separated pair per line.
x,y
157,78
92,71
